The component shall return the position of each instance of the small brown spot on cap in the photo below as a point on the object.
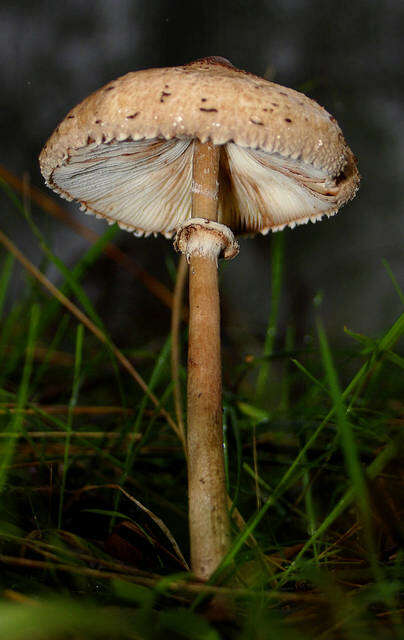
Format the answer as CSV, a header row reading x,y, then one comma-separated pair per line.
x,y
132,115
256,121
207,110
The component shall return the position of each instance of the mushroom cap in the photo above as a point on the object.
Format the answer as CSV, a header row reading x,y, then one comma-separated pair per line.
x,y
125,153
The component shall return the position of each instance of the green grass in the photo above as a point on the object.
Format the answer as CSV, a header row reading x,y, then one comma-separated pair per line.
x,y
93,514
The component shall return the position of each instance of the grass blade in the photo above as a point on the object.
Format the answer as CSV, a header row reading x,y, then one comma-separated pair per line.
x,y
72,404
22,398
348,443
393,278
5,279
277,247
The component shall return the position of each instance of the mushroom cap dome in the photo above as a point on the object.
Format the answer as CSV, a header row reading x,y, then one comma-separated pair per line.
x,y
125,153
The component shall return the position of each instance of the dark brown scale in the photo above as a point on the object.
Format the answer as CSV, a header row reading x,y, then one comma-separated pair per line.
x,y
340,178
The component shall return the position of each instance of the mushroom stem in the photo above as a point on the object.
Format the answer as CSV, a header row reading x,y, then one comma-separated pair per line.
x,y
205,180
208,516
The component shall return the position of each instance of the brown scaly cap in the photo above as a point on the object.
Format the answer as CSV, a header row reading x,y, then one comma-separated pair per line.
x,y
125,152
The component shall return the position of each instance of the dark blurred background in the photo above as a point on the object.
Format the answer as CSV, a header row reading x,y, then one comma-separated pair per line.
x,y
346,55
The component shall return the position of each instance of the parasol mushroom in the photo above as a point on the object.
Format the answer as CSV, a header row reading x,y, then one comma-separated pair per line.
x,y
201,151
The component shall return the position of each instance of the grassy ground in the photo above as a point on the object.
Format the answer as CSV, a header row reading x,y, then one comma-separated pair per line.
x,y
93,517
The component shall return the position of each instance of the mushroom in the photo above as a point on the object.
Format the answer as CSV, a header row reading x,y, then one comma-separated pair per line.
x,y
201,151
